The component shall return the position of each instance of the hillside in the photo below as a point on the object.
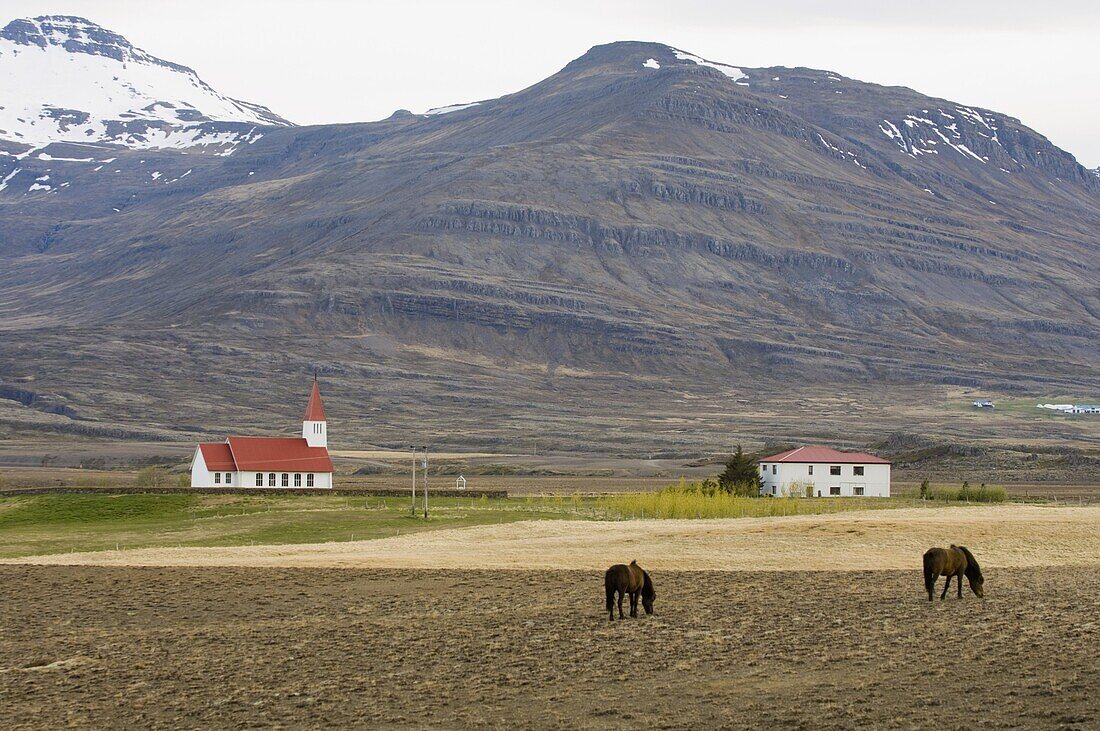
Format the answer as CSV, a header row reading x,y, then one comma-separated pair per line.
x,y
644,252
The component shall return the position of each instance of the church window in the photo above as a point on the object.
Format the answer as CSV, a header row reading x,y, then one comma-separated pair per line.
x,y
309,480
271,479
217,478
259,479
286,480
298,479
229,478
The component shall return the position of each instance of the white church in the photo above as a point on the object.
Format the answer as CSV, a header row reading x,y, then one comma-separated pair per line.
x,y
290,462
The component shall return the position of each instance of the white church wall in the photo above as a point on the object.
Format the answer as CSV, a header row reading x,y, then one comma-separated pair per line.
x,y
200,476
321,480
315,433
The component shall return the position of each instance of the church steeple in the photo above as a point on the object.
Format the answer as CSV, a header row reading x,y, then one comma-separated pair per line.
x,y
314,424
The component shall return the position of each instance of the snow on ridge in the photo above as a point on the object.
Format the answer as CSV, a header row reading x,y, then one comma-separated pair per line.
x,y
651,63
64,79
447,110
731,71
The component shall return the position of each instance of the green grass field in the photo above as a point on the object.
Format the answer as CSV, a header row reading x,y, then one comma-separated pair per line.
x,y
61,523
45,524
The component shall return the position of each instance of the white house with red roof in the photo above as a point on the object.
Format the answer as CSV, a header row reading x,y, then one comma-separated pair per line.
x,y
290,462
824,472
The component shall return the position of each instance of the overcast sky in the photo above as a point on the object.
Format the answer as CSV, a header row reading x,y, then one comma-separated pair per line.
x,y
342,61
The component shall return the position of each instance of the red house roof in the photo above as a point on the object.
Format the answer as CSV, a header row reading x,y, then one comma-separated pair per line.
x,y
217,457
278,454
823,455
315,409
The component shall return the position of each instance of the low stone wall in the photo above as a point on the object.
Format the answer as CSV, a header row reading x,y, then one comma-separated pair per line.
x,y
16,492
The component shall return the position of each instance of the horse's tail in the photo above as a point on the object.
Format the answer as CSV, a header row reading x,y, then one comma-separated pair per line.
x,y
609,590
972,567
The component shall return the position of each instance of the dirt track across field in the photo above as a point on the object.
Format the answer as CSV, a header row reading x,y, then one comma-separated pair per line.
x,y
167,648
1001,536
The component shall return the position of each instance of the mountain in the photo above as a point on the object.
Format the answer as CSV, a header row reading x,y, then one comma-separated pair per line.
x,y
645,252
66,79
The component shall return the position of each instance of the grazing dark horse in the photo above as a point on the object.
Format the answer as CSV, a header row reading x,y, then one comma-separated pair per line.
x,y
956,561
632,580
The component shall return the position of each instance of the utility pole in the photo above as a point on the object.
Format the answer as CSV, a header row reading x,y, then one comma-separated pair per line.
x,y
425,482
413,447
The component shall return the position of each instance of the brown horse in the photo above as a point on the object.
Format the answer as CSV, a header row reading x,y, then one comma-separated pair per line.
x,y
956,561
632,580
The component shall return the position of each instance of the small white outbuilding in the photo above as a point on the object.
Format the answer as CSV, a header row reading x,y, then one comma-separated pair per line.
x,y
824,472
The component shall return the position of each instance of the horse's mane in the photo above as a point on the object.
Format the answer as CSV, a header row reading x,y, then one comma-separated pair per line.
x,y
647,585
973,570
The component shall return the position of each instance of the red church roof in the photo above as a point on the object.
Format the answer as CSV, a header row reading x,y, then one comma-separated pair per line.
x,y
217,457
823,455
315,409
279,454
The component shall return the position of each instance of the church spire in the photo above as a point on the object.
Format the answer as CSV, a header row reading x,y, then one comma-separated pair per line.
x,y
315,410
314,424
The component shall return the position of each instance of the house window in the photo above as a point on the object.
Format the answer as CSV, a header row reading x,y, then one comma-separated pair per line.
x,y
773,489
834,469
259,479
217,478
857,490
298,479
834,490
811,469
229,478
286,480
773,469
309,480
271,479
764,468
858,471
819,493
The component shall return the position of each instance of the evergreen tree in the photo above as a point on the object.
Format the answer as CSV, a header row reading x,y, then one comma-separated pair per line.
x,y
741,476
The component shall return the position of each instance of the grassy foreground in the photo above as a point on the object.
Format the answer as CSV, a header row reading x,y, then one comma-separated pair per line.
x,y
45,524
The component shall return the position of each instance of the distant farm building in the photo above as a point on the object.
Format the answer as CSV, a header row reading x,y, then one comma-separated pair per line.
x,y
824,472
984,403
290,462
1071,408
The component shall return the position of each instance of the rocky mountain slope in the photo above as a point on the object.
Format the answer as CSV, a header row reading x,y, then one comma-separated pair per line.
x,y
646,251
64,78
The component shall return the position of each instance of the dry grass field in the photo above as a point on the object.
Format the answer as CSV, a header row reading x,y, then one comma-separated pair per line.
x,y
168,648
809,621
1010,535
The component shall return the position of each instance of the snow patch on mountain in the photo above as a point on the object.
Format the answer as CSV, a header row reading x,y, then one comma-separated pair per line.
x,y
66,79
731,71
928,132
448,110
